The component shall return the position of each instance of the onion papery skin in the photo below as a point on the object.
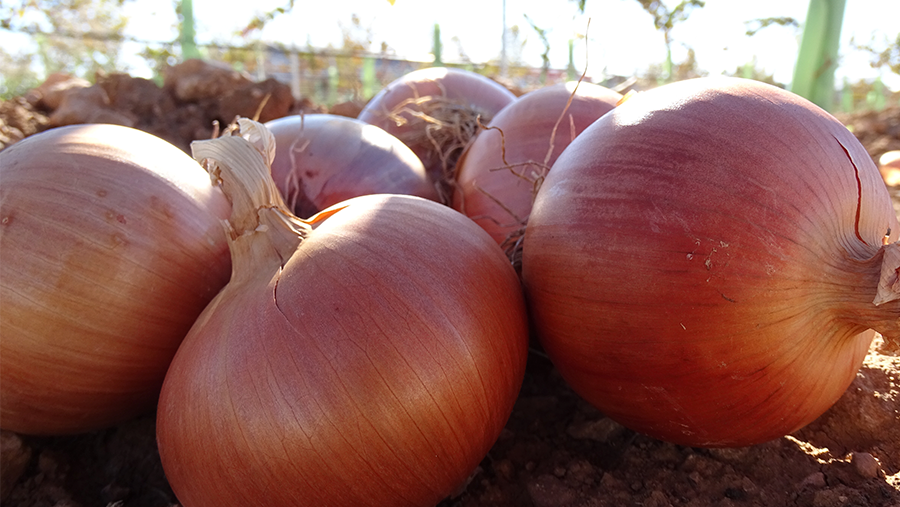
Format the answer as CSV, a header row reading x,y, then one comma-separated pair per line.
x,y
376,367
323,159
498,174
451,99
112,245
695,267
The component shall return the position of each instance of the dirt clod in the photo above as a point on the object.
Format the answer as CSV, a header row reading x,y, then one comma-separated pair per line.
x,y
14,457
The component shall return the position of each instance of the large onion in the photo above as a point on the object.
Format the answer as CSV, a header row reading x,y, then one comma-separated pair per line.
x,y
435,111
370,357
500,171
112,246
701,262
323,159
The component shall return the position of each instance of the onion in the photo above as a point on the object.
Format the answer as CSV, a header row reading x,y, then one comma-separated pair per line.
x,y
500,171
370,356
889,167
323,159
701,262
112,245
435,111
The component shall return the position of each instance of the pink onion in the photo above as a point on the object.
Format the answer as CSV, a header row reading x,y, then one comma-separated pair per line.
x,y
367,357
702,263
500,171
889,167
112,245
435,112
323,159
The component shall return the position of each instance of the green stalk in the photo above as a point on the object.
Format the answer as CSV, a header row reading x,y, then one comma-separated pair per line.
x,y
875,97
334,81
571,73
188,46
438,47
367,76
847,97
818,55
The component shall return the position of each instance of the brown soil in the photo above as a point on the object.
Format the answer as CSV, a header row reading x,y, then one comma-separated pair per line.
x,y
556,450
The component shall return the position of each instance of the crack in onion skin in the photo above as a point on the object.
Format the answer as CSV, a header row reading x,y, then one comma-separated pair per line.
x,y
112,245
693,262
323,159
368,356
500,171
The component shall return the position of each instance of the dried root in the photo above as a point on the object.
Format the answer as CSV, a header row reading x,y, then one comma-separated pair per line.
x,y
441,126
531,171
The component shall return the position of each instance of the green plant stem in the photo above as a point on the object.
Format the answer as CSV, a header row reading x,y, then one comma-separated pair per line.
x,y
818,55
188,46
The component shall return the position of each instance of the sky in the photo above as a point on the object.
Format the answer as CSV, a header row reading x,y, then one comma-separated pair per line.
x,y
621,39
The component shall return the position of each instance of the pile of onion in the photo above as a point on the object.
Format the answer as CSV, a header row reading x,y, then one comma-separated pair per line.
x,y
367,357
112,245
323,159
501,170
436,111
704,263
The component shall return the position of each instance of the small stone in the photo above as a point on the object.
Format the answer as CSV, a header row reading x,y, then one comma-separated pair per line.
x,y
814,481
581,470
748,486
600,430
829,498
47,463
730,454
14,458
694,477
657,499
865,464
505,469
607,481
548,491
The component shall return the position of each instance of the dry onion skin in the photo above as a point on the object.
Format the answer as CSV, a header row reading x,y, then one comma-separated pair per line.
x,y
367,357
502,169
436,111
323,159
112,245
703,263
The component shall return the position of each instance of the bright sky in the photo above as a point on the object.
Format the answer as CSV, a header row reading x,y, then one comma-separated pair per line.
x,y
621,36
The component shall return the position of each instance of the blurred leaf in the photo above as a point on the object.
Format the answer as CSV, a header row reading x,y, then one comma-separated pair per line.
x,y
765,22
79,37
886,54
16,75
259,22
665,19
542,34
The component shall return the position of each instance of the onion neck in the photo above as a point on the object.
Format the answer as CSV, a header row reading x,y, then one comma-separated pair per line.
x,y
262,230
882,313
